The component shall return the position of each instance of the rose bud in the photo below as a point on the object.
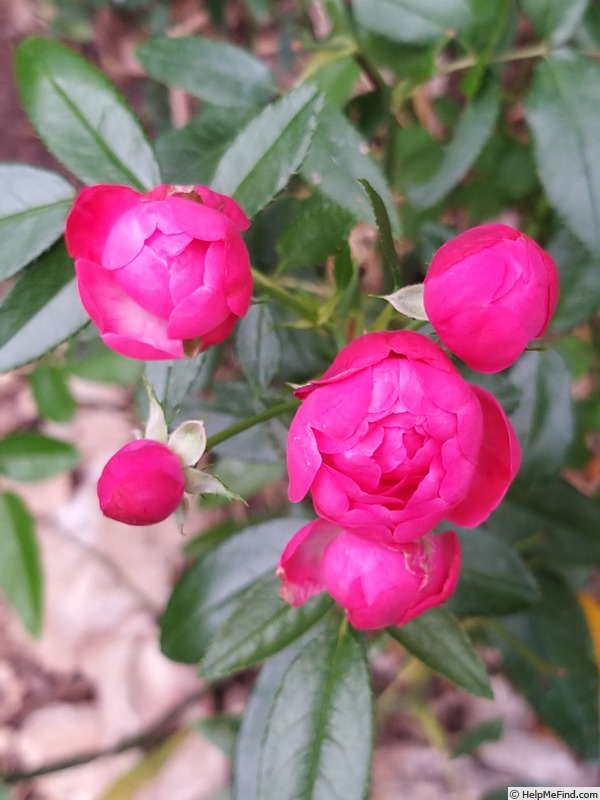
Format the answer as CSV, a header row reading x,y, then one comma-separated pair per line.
x,y
391,440
488,293
376,585
141,484
161,274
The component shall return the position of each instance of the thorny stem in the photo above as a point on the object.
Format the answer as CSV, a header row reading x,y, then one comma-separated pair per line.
x,y
151,736
263,416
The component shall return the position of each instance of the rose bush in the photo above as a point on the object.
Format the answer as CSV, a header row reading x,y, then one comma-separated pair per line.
x,y
392,439
488,292
141,484
377,585
161,274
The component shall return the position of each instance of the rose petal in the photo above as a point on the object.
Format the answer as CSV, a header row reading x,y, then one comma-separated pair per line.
x,y
95,211
380,586
300,565
123,324
499,461
146,280
198,314
226,205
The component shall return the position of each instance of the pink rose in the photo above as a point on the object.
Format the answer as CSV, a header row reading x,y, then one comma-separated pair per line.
x,y
377,585
488,293
160,274
141,484
392,440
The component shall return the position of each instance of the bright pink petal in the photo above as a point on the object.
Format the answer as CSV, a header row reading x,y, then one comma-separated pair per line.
x,y
441,574
499,462
146,280
124,326
187,270
220,333
225,205
371,348
95,211
199,221
300,565
380,586
303,456
198,314
238,278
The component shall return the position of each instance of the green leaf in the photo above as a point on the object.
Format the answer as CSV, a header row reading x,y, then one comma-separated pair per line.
x,y
412,21
21,577
81,118
543,418
438,641
553,514
40,310
565,695
31,456
34,204
555,19
386,239
90,358
334,72
563,112
257,347
173,381
256,715
317,743
489,731
269,150
471,133
579,282
217,72
51,392
247,477
261,625
208,591
299,247
493,579
191,154
337,158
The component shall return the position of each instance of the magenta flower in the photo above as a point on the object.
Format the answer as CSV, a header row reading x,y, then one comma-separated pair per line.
x,y
141,484
392,440
376,585
163,273
488,293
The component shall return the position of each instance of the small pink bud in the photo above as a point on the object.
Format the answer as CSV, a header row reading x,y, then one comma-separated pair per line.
x,y
141,484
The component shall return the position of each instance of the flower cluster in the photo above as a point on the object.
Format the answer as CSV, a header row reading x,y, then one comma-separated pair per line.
x,y
392,440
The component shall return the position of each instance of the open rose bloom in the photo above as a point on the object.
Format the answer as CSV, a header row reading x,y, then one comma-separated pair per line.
x,y
488,292
392,440
161,274
375,584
